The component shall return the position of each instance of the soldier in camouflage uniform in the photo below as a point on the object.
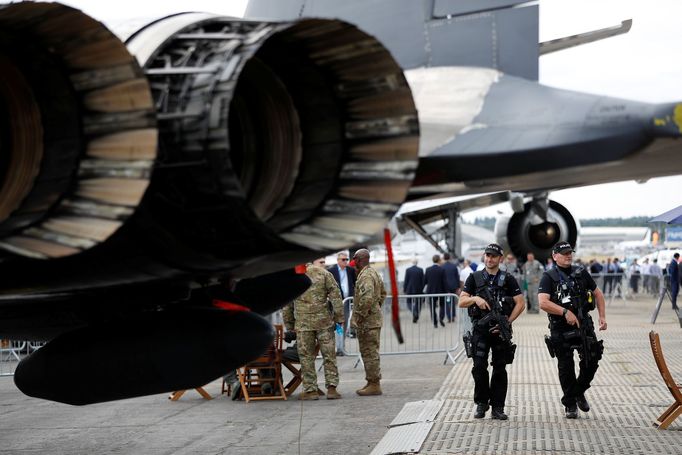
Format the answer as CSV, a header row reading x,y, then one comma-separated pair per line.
x,y
532,272
309,316
511,266
367,319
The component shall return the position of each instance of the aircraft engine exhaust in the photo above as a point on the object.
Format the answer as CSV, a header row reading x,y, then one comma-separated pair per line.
x,y
307,131
222,145
525,232
77,131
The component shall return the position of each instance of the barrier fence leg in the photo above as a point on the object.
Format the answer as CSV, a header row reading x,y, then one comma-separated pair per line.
x,y
449,357
661,297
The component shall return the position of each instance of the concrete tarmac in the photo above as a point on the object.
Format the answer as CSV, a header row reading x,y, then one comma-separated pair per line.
x,y
192,425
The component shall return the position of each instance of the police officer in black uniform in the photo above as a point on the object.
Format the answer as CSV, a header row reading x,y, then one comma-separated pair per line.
x,y
504,289
567,293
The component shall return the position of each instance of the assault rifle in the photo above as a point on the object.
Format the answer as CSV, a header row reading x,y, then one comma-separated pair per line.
x,y
578,304
583,338
496,319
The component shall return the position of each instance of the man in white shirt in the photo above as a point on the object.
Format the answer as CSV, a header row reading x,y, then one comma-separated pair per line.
x,y
656,276
345,278
645,268
465,272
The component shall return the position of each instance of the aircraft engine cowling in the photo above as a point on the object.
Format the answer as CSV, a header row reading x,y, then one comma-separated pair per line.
x,y
525,232
223,144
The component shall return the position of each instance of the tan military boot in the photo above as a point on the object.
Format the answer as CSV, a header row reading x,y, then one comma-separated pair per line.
x,y
362,388
309,396
372,388
332,394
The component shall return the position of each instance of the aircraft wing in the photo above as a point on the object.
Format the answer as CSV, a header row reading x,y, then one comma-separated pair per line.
x,y
545,138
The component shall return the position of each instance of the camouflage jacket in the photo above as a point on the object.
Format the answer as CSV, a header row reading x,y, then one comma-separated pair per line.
x,y
369,296
310,311
532,271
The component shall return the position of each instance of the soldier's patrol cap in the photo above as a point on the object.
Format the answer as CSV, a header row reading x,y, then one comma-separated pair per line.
x,y
495,249
562,248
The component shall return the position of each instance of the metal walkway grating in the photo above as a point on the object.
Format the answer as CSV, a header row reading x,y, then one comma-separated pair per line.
x,y
626,395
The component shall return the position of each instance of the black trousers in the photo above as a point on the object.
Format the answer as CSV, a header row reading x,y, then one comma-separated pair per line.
x,y
440,302
571,385
414,304
489,389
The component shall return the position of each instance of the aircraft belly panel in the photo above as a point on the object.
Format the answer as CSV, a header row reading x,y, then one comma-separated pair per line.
x,y
443,8
447,36
517,38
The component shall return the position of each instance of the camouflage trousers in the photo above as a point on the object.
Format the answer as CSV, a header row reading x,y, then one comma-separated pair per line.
x,y
533,297
306,342
368,339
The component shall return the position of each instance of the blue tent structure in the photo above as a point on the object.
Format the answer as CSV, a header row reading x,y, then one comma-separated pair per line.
x,y
673,216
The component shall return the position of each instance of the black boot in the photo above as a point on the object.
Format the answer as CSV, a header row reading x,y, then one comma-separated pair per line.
x,y
481,408
571,412
498,413
582,403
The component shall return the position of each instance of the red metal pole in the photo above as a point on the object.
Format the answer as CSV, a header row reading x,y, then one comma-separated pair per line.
x,y
395,317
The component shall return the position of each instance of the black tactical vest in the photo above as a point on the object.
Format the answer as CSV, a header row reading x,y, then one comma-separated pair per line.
x,y
570,291
496,288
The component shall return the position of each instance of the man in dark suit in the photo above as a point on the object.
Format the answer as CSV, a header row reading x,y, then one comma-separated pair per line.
x,y
435,284
345,278
451,285
674,274
414,285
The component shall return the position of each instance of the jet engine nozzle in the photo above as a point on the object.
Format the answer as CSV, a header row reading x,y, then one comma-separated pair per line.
x,y
77,131
305,131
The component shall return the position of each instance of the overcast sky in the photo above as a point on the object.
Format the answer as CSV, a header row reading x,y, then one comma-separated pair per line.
x,y
645,64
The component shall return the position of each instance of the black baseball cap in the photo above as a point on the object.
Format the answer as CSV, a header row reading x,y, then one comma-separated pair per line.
x,y
562,248
495,249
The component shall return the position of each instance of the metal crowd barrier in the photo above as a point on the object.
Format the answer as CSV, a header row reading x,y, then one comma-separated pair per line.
x,y
419,337
12,351
621,285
